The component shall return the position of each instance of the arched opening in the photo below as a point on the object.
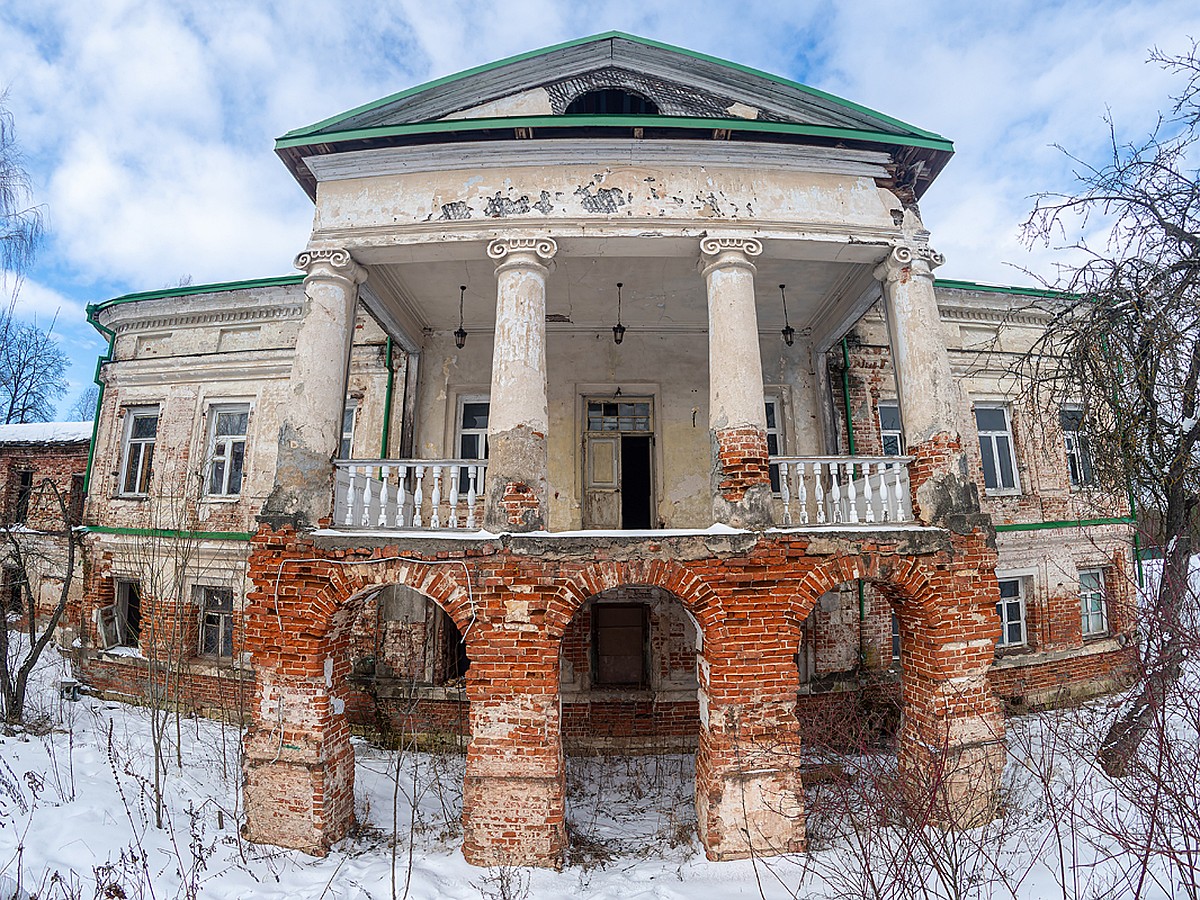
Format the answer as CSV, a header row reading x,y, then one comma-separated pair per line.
x,y
630,719
849,669
612,102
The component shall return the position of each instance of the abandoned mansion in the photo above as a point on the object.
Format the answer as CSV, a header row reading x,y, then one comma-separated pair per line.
x,y
615,407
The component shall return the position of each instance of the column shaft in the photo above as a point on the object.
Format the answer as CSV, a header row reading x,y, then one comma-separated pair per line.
x,y
736,411
518,466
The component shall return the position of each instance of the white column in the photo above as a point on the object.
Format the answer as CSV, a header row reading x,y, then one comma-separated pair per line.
x,y
736,411
312,421
518,421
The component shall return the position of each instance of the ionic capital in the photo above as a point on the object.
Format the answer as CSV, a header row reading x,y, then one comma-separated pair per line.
x,y
908,260
721,252
508,249
335,263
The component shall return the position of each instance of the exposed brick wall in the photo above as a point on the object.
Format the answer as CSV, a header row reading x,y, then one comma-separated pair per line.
x,y
742,460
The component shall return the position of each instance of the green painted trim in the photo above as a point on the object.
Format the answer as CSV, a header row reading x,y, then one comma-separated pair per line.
x,y
953,283
172,533
387,401
111,337
193,289
1077,523
312,130
846,395
682,122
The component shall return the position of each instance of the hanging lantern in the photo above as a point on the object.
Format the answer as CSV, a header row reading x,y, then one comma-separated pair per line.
x,y
460,336
618,329
788,332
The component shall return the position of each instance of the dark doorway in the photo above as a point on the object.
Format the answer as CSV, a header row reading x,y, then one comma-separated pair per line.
x,y
635,481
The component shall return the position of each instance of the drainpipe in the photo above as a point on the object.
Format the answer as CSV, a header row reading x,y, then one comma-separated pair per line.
x,y
387,400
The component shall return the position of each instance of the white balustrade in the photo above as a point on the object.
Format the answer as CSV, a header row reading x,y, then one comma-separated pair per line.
x,y
391,493
843,490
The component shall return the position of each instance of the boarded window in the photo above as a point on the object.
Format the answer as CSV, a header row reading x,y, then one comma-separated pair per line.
x,y
619,633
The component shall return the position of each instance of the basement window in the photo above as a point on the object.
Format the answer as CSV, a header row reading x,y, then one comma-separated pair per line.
x,y
619,642
612,102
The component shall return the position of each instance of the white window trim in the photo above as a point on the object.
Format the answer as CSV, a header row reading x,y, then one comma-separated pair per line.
x,y
1015,490
884,432
1023,582
1080,449
129,414
1101,573
212,415
459,431
771,398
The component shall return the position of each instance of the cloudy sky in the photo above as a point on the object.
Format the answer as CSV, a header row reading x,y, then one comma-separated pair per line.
x,y
147,127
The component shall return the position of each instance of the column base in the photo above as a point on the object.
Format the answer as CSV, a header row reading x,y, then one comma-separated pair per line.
x,y
295,798
514,821
758,812
958,788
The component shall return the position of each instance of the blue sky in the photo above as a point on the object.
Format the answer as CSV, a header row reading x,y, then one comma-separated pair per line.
x,y
147,127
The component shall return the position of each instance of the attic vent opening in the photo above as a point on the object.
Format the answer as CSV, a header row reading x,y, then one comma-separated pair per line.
x,y
612,102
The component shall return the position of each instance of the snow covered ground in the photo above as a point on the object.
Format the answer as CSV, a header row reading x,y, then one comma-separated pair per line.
x,y
77,819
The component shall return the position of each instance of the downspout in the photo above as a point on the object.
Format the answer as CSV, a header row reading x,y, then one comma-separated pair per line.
x,y
862,587
387,400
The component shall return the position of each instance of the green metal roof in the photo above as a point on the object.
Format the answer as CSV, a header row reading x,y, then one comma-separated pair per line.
x,y
955,284
191,289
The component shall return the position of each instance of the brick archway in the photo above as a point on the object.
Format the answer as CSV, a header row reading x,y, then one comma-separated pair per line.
x,y
296,626
952,727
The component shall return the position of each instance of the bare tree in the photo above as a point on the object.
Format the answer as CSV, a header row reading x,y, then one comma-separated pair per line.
x,y
30,561
1126,346
84,407
21,222
32,372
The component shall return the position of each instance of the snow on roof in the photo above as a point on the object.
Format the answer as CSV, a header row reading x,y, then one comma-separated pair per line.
x,y
46,433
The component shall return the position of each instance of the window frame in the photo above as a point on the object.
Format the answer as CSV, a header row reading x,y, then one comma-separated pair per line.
x,y
885,433
1100,592
1079,456
1022,598
123,588
141,487
223,621
215,411
644,680
24,494
349,421
1000,490
779,432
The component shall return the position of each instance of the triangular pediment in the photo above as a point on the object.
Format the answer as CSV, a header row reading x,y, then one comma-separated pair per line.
x,y
681,84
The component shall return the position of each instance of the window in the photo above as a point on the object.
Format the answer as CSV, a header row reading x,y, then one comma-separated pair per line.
x,y
128,613
78,496
24,490
1011,610
14,589
891,436
346,445
216,622
472,436
895,637
619,642
611,102
996,447
141,429
774,442
1079,454
1093,615
227,450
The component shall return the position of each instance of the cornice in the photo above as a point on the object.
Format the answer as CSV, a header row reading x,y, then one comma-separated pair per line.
x,y
167,320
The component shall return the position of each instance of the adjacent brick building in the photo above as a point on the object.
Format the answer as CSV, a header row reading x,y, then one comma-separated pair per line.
x,y
617,408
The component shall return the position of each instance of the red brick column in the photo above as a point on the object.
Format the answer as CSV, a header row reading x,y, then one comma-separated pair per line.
x,y
513,795
299,764
749,797
952,734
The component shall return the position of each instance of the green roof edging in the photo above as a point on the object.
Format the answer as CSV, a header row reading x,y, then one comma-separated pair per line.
x,y
956,284
680,122
172,533
192,289
312,130
1076,523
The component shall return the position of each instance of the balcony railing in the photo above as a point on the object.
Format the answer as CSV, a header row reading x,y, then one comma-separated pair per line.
x,y
424,494
843,490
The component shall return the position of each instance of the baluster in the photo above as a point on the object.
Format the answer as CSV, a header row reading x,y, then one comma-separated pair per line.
x,y
472,494
868,493
835,490
402,521
885,500
819,492
385,472
348,518
802,491
364,515
418,494
851,494
785,493
435,499
454,474
903,510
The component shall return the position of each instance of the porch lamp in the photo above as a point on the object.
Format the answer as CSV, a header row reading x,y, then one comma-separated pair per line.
x,y
788,332
618,329
460,336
